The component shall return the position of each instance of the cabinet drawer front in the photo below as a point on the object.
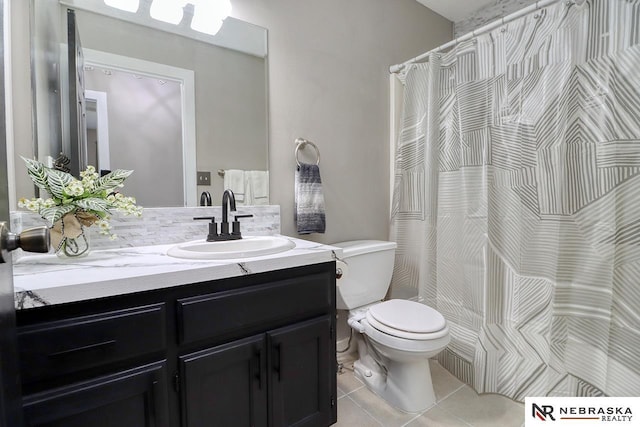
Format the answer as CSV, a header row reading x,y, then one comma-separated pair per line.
x,y
136,397
254,308
54,349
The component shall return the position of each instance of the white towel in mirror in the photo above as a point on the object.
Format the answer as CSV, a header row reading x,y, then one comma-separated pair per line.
x,y
257,187
234,180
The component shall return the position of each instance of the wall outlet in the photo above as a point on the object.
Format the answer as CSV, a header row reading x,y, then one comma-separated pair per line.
x,y
204,178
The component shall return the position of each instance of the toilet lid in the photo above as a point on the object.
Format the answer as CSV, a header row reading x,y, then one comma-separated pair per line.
x,y
407,316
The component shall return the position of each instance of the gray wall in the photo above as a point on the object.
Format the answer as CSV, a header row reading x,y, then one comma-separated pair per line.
x,y
329,83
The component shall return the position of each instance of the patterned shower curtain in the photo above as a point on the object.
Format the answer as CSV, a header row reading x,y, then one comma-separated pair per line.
x,y
517,201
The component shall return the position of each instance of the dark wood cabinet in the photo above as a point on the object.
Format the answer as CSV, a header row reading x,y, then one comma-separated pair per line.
x,y
136,397
226,383
302,373
58,348
286,372
256,350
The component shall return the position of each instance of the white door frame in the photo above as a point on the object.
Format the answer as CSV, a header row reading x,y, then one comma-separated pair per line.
x,y
100,98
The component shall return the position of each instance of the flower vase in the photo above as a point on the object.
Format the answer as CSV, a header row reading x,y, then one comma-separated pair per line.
x,y
74,247
70,237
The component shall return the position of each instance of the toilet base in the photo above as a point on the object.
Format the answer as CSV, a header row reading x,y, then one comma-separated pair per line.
x,y
405,385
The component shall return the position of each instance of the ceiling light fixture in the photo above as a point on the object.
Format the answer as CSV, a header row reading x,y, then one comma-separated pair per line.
x,y
126,5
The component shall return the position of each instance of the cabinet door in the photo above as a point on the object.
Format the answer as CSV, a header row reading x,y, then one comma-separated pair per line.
x,y
225,385
136,397
302,361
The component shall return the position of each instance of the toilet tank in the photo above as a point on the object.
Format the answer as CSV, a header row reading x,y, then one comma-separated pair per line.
x,y
367,266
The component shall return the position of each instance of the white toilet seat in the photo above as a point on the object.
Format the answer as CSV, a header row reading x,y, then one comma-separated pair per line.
x,y
407,319
436,340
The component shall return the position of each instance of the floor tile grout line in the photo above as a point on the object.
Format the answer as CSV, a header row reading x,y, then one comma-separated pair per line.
x,y
455,416
365,411
354,390
419,415
442,409
452,393
463,385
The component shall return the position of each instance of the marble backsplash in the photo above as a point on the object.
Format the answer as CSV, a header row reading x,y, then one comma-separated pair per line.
x,y
161,226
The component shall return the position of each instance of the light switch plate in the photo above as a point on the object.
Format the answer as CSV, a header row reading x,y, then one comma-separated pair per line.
x,y
204,178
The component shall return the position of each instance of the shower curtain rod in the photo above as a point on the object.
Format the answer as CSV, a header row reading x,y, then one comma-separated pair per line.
x,y
537,5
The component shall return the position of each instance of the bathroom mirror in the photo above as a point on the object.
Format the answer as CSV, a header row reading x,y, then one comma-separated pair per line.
x,y
174,105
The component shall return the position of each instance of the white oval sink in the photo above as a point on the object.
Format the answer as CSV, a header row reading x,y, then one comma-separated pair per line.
x,y
247,247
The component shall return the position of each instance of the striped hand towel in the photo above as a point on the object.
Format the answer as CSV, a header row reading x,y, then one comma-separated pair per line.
x,y
309,200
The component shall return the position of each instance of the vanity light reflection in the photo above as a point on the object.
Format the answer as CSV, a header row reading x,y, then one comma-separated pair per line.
x,y
126,5
208,15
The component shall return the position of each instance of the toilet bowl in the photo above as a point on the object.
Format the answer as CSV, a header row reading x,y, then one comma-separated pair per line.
x,y
394,338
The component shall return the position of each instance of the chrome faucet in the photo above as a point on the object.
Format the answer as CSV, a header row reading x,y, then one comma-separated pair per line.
x,y
205,199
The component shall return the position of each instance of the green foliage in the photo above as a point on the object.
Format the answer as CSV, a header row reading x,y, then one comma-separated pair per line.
x,y
112,180
36,171
93,204
57,182
92,194
55,213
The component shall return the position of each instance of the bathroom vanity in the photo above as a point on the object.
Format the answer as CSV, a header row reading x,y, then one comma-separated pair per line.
x,y
252,345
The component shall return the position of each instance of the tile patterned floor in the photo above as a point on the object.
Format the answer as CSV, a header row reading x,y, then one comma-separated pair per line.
x,y
457,405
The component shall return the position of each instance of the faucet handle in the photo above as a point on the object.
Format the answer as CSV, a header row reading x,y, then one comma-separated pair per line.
x,y
242,216
213,227
235,225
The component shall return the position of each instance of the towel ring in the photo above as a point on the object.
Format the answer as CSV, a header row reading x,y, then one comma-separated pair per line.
x,y
301,142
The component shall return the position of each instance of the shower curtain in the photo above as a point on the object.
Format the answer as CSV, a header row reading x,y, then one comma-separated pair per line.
x,y
516,205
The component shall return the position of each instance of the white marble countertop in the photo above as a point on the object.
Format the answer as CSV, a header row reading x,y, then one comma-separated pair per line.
x,y
47,279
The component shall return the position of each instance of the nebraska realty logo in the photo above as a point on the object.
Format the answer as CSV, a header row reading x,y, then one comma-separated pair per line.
x,y
579,411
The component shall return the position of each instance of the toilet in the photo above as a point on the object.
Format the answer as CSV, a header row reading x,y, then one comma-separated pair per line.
x,y
394,338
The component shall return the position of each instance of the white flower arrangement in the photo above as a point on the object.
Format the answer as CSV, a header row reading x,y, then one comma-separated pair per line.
x,y
90,199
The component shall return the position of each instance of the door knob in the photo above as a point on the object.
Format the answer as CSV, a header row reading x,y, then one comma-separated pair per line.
x,y
31,240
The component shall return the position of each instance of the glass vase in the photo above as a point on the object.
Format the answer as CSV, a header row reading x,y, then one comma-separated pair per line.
x,y
70,237
74,247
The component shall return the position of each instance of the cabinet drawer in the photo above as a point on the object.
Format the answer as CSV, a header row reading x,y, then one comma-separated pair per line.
x,y
254,308
57,348
135,397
